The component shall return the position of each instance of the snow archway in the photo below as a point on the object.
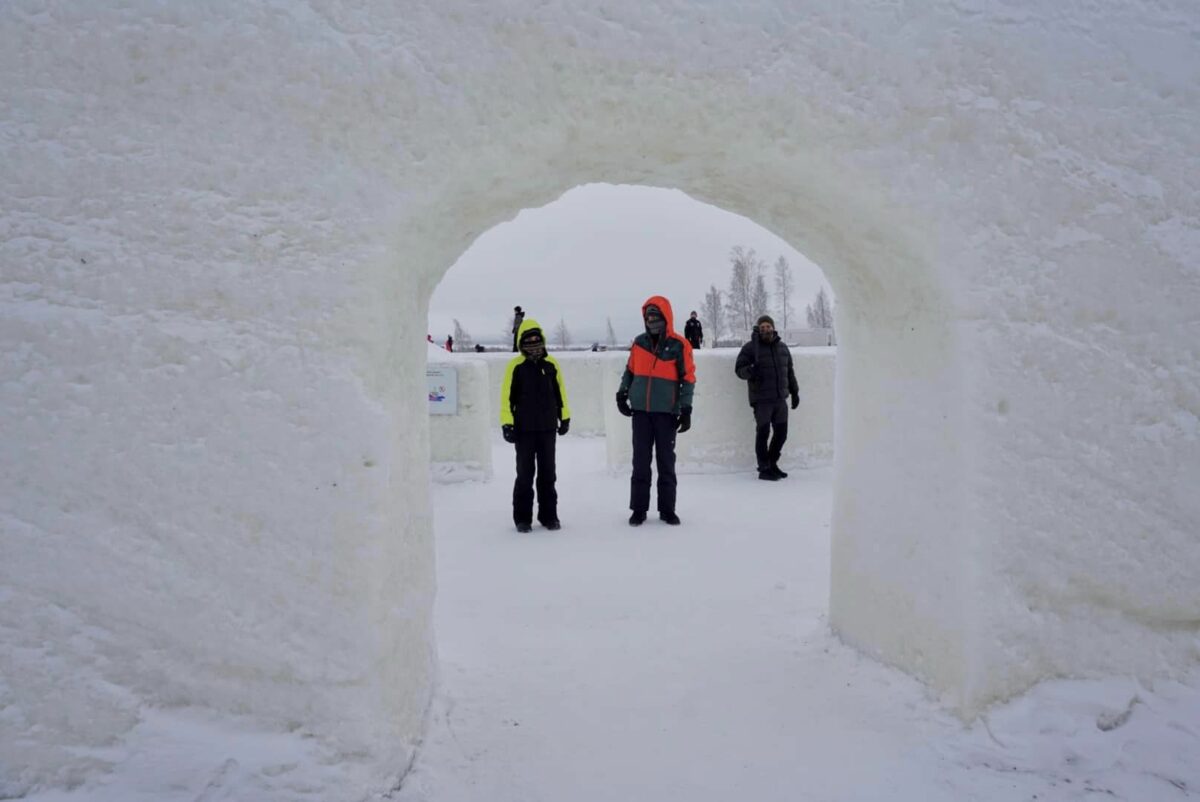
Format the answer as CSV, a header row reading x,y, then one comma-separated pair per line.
x,y
222,224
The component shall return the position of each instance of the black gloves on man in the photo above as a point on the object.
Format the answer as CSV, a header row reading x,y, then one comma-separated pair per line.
x,y
684,421
510,434
795,400
565,426
623,403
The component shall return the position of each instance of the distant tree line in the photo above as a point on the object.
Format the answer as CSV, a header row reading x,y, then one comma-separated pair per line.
x,y
747,298
755,289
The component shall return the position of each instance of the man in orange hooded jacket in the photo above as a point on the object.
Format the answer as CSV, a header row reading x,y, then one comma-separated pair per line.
x,y
656,391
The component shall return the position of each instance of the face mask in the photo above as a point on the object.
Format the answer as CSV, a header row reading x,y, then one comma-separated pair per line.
x,y
656,324
533,347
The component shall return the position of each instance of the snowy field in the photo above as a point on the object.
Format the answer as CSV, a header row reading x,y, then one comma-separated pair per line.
x,y
604,662
682,664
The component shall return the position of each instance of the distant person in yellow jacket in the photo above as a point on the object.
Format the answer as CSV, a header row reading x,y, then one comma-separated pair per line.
x,y
533,410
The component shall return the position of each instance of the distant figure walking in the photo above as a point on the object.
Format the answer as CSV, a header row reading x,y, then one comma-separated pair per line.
x,y
656,391
450,343
693,332
766,364
518,318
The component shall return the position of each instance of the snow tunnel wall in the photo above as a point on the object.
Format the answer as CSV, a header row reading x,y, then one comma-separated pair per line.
x,y
222,223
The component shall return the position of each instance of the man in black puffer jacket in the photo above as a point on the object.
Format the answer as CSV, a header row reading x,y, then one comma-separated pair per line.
x,y
766,364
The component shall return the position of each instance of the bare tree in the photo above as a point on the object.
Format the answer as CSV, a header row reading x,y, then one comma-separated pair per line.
x,y
561,335
712,311
462,337
820,312
739,305
612,335
760,298
784,284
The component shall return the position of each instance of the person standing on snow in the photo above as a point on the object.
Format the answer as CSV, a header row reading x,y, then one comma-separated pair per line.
x,y
766,364
518,317
693,332
656,391
450,342
533,409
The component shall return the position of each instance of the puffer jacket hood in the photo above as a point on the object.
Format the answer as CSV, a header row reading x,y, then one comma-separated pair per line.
x,y
527,324
664,306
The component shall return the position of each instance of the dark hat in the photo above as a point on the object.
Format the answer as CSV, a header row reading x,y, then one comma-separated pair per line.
x,y
516,309
765,319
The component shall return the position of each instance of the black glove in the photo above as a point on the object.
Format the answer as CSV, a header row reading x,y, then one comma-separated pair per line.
x,y
795,400
684,421
623,403
564,426
510,435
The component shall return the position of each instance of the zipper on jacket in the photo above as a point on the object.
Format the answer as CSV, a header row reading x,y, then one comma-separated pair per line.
x,y
650,378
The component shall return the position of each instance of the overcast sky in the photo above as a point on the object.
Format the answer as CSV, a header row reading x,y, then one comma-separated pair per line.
x,y
599,251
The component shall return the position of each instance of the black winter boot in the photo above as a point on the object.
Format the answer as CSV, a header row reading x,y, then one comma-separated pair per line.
x,y
779,473
638,518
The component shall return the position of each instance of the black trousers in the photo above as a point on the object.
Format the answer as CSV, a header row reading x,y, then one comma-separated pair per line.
x,y
695,342
535,455
653,435
768,416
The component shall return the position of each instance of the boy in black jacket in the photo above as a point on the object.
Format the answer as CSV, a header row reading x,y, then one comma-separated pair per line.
x,y
533,409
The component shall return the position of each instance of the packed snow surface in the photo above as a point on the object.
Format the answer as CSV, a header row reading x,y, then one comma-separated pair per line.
x,y
664,664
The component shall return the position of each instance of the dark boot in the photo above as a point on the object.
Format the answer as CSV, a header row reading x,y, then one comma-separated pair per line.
x,y
669,518
638,518
553,525
524,526
777,471
768,475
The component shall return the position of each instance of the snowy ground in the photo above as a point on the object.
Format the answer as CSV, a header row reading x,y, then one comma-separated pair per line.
x,y
603,662
672,664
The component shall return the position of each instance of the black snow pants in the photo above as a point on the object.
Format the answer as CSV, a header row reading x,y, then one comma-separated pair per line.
x,y
770,415
535,454
653,435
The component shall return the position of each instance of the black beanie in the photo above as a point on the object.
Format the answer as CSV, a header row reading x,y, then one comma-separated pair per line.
x,y
765,319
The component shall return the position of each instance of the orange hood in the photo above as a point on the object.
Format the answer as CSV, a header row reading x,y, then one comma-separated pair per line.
x,y
665,307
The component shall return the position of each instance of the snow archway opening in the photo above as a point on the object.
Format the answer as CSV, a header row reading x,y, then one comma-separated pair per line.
x,y
896,559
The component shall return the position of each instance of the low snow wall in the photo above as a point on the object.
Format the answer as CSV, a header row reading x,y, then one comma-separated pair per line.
x,y
583,376
722,433
460,445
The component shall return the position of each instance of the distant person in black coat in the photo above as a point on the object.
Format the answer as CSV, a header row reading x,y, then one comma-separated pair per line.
x,y
766,364
518,318
693,332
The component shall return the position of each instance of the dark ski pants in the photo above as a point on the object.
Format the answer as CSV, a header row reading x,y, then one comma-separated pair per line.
x,y
768,416
535,455
653,434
